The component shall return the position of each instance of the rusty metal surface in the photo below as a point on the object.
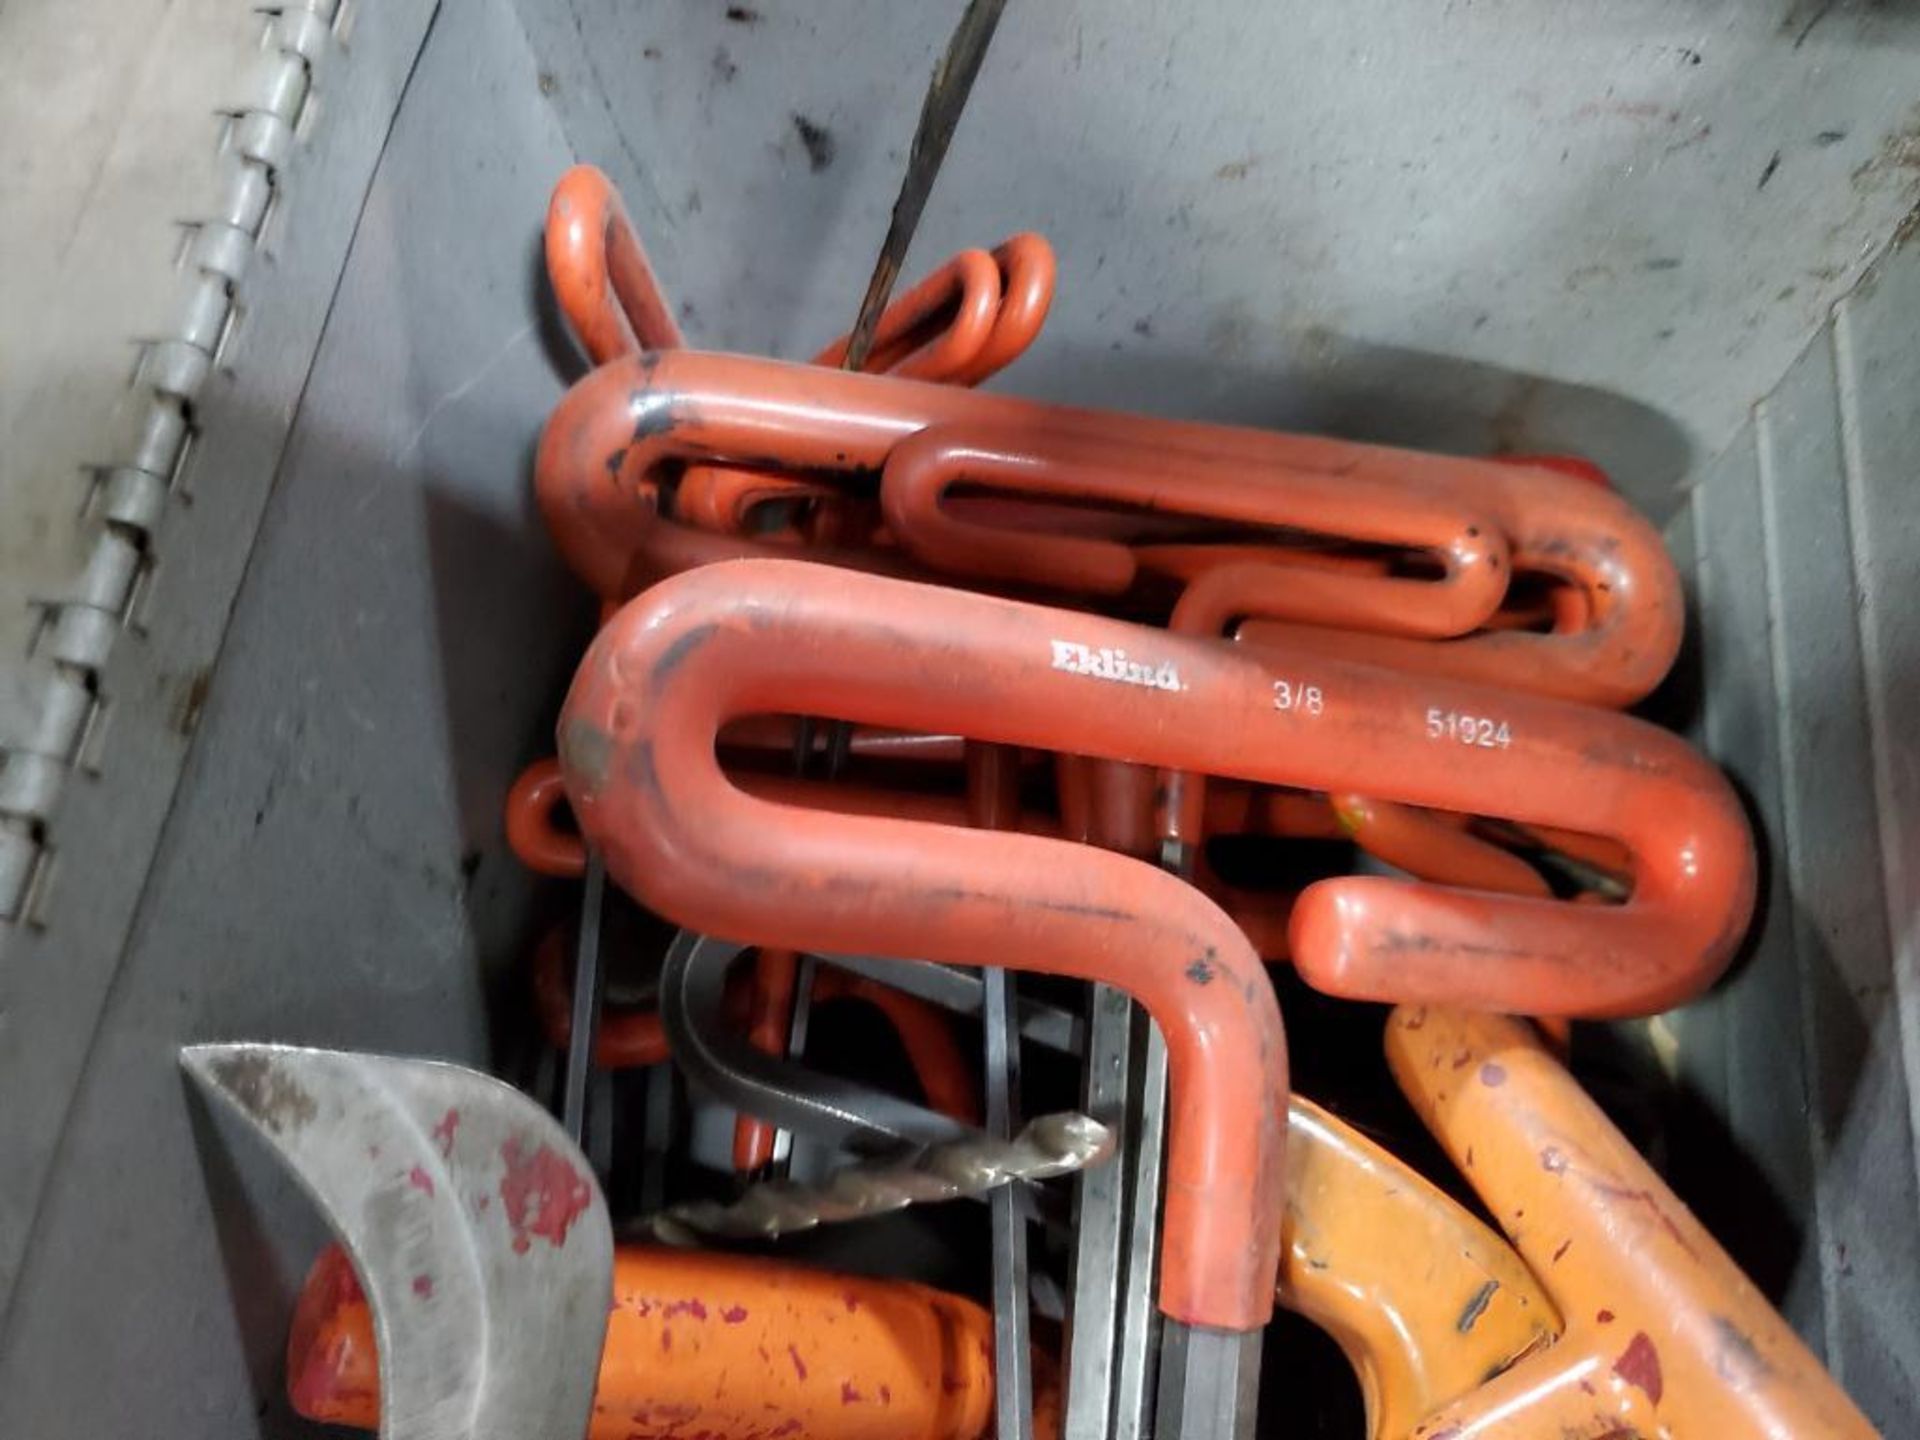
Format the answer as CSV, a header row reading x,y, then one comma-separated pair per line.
x,y
475,1226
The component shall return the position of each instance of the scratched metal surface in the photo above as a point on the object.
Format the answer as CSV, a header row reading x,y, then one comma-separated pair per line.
x,y
1487,225
1500,224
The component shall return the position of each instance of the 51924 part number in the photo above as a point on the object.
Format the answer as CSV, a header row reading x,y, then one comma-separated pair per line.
x,y
1457,726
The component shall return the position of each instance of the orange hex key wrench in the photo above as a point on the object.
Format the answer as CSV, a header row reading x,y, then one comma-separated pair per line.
x,y
884,652
1568,528
921,470
1665,1336
606,287
607,441
636,745
962,323
543,846
1013,284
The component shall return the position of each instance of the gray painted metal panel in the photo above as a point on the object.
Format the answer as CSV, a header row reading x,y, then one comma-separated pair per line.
x,y
54,978
333,871
1865,1199
1765,1106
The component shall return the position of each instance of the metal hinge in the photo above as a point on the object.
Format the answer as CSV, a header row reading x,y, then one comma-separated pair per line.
x,y
130,493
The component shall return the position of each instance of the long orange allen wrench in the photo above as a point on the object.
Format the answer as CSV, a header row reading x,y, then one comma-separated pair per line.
x,y
606,443
795,636
637,738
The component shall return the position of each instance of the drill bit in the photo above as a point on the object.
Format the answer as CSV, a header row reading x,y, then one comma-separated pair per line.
x,y
1048,1146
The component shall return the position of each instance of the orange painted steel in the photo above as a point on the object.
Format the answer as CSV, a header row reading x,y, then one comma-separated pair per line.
x,y
1664,1335
628,1038
600,273
603,447
723,1346
1424,1299
542,845
1432,848
921,470
631,1037
534,833
889,653
637,748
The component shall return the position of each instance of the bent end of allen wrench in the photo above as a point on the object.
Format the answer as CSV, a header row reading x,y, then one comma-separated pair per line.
x,y
600,273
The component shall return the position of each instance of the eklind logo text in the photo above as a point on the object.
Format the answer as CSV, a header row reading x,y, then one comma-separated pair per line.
x,y
1105,664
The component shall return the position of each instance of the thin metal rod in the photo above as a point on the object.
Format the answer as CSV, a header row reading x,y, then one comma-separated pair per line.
x,y
781,1161
589,983
1209,1383
1012,1343
939,116
960,991
1099,1217
1139,1320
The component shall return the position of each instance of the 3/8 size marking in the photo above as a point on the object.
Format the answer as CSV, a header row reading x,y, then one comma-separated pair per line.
x,y
1298,697
1482,731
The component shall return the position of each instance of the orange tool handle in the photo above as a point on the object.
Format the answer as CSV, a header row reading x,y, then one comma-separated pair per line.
x,y
730,1347
1664,1335
600,273
637,738
920,472
606,439
1424,1299
910,656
